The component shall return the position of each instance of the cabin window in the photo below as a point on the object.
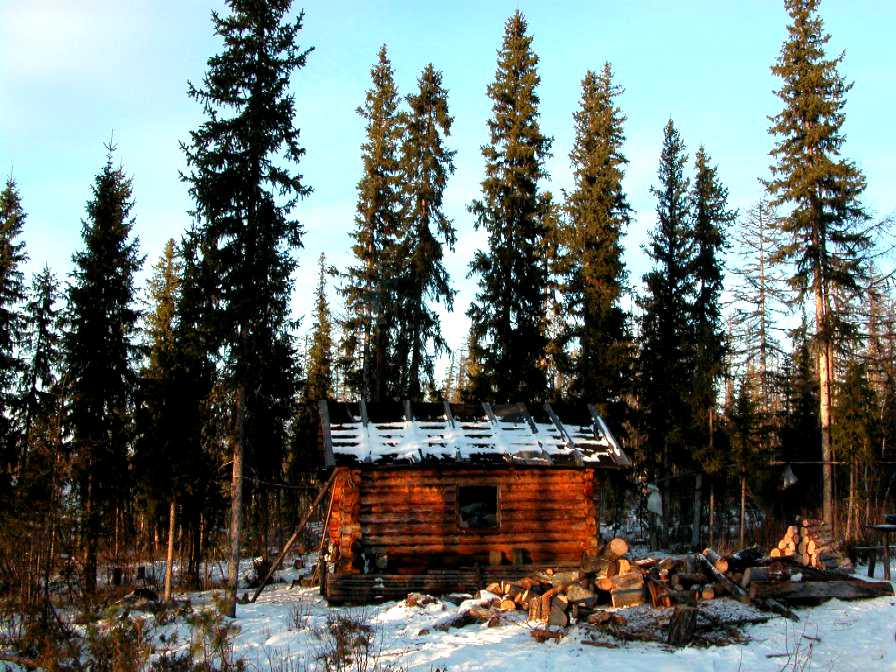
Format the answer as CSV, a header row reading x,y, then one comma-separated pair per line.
x,y
477,506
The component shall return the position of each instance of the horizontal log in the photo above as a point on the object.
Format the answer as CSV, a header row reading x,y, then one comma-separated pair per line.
x,y
446,515
572,526
798,590
501,536
536,550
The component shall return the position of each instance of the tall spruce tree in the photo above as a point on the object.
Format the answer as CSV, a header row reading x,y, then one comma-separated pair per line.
x,y
12,298
41,345
194,407
426,165
319,381
591,264
242,182
100,353
666,352
371,293
508,314
822,192
157,450
855,433
711,218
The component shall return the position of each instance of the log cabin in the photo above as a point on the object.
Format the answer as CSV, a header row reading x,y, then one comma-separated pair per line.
x,y
444,497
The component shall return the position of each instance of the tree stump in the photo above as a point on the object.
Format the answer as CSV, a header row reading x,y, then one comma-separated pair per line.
x,y
682,626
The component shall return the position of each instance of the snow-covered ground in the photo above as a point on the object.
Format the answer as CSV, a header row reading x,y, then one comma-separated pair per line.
x,y
834,636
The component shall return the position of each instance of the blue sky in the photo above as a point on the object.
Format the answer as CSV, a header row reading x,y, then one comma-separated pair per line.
x,y
72,72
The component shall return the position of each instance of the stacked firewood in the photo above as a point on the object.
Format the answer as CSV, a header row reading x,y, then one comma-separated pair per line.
x,y
810,543
590,594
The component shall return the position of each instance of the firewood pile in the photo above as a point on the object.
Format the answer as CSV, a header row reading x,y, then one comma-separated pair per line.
x,y
592,594
810,543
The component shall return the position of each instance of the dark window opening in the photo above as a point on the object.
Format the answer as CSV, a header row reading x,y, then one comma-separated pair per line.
x,y
477,506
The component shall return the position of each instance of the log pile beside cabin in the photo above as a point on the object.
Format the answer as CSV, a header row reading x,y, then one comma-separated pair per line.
x,y
811,543
594,593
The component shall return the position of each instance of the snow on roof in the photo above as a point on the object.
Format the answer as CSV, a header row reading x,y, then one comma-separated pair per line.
x,y
405,433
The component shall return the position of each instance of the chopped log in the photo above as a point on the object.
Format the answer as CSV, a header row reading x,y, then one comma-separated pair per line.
x,y
659,593
624,566
558,615
813,590
507,605
682,626
543,635
627,597
708,592
717,561
615,548
745,557
733,589
621,582
577,593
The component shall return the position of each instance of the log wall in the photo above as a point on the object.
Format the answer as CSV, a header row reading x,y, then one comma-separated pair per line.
x,y
407,518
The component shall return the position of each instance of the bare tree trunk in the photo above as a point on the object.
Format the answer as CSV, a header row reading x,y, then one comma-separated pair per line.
x,y
824,359
743,509
712,515
236,502
169,560
698,505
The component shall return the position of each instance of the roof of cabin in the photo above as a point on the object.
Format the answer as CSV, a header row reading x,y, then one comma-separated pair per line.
x,y
441,432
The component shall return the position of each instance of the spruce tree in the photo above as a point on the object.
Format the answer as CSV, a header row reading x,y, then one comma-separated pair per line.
x,y
426,165
319,381
244,187
710,220
666,331
591,264
371,293
822,191
100,350
41,345
12,297
195,407
508,314
855,433
745,440
157,449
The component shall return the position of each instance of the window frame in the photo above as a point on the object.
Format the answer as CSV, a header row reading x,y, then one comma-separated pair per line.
x,y
491,529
